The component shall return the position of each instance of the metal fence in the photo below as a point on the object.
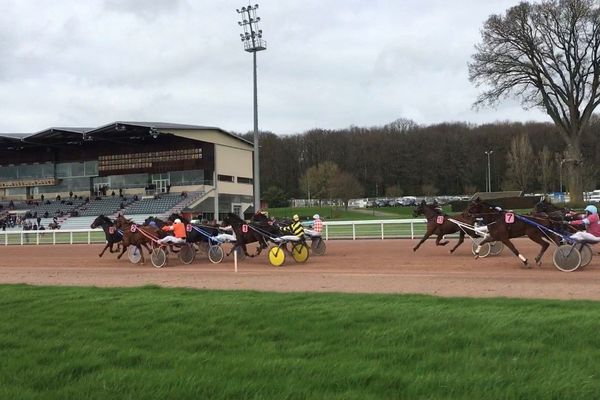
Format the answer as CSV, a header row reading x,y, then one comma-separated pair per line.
x,y
372,229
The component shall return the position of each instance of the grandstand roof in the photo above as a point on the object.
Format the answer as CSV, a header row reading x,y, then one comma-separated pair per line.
x,y
145,130
114,131
57,136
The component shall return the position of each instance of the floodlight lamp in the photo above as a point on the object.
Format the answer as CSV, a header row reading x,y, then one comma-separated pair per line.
x,y
237,9
256,6
257,19
243,8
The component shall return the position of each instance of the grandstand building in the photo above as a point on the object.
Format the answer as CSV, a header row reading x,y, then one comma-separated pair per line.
x,y
152,168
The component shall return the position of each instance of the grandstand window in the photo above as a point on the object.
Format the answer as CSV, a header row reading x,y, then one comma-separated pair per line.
x,y
27,171
225,178
68,170
244,180
66,185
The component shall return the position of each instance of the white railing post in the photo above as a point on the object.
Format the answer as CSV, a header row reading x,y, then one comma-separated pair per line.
x,y
21,238
353,231
412,230
37,238
382,231
53,236
70,237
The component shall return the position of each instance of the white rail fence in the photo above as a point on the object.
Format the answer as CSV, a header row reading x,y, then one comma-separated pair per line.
x,y
354,230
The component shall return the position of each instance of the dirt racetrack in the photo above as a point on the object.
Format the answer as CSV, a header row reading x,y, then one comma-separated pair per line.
x,y
367,266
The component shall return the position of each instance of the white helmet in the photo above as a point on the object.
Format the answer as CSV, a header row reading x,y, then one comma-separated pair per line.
x,y
316,216
177,221
591,209
296,217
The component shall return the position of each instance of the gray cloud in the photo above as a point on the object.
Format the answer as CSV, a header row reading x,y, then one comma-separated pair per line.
x,y
329,64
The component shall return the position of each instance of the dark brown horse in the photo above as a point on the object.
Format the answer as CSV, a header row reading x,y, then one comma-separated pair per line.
x,y
258,230
113,235
506,225
135,235
439,224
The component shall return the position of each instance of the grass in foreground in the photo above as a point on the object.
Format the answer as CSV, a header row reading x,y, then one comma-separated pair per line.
x,y
152,343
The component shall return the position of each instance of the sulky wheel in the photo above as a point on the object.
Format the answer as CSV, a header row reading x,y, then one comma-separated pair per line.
x,y
318,246
158,257
215,254
586,255
203,247
300,252
187,253
134,255
276,256
485,249
566,258
496,248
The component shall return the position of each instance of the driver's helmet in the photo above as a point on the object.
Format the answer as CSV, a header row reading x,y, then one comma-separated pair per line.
x,y
296,218
591,209
177,221
263,212
316,216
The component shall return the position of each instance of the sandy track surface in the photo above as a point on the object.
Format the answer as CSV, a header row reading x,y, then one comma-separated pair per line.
x,y
366,266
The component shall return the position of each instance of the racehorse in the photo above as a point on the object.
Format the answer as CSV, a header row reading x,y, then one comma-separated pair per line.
x,y
112,234
259,229
506,225
138,236
439,224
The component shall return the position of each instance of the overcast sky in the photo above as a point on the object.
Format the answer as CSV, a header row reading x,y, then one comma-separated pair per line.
x,y
329,64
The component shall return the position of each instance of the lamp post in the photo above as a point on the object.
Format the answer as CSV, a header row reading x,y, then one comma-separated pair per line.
x,y
489,174
253,42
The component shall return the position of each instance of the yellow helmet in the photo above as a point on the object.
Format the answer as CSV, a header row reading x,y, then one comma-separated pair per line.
x,y
296,217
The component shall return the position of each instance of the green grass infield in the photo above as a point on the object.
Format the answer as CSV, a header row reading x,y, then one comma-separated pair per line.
x,y
156,343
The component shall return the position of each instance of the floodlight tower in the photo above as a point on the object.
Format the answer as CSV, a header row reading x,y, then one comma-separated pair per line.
x,y
253,42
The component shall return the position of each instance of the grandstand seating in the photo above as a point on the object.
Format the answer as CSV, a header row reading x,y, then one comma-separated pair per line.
x,y
107,205
154,206
55,206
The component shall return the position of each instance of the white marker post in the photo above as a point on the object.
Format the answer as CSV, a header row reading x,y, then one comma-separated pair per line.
x,y
235,260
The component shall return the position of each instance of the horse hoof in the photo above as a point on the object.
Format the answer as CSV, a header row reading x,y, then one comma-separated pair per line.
x,y
476,256
538,263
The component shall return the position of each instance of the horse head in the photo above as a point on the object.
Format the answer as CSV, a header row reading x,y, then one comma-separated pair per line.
x,y
100,221
419,209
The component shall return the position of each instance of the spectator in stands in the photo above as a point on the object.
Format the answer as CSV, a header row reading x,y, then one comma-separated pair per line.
x,y
39,220
168,188
42,197
71,195
121,206
178,229
120,192
11,205
41,228
47,202
46,215
135,197
58,197
113,193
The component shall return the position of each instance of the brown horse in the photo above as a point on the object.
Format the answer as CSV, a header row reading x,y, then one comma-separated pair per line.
x,y
259,230
505,225
439,224
135,235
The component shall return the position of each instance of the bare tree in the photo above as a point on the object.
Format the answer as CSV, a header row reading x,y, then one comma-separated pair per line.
x,y
520,161
546,161
346,187
548,55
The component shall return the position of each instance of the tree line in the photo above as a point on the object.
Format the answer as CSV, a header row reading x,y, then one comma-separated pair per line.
x,y
404,158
